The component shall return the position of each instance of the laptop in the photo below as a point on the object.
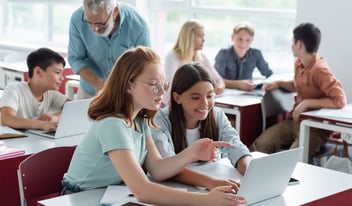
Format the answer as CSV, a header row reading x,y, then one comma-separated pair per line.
x,y
268,176
73,121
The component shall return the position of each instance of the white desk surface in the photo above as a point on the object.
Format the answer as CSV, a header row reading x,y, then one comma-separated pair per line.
x,y
234,97
35,143
315,183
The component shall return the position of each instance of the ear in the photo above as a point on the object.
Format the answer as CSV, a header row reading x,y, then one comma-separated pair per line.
x,y
129,88
37,71
176,97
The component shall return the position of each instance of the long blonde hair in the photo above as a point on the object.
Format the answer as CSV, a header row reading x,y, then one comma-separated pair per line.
x,y
184,46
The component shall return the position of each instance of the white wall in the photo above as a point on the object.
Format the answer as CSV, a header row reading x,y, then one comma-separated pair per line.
x,y
334,20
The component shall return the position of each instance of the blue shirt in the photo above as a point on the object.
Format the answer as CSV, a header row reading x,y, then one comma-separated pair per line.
x,y
86,48
231,67
91,167
163,140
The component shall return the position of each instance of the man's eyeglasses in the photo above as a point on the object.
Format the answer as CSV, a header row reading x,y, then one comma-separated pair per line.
x,y
97,25
157,87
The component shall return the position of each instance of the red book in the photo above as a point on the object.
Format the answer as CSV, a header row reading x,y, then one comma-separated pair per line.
x,y
343,198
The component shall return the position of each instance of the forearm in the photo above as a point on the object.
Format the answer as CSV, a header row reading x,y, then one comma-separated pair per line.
x,y
233,84
161,195
243,163
190,177
89,76
287,85
318,103
22,123
170,166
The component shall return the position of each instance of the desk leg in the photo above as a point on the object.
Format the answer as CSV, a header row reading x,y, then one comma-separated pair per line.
x,y
304,133
304,139
234,111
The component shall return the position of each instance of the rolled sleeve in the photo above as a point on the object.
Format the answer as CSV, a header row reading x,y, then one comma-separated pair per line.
x,y
228,134
162,134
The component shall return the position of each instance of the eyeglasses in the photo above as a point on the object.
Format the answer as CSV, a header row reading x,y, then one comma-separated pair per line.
x,y
157,87
97,25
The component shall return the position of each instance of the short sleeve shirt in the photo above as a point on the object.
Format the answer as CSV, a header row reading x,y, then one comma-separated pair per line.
x,y
91,167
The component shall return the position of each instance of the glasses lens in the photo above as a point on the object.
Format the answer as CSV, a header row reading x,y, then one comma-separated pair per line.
x,y
160,86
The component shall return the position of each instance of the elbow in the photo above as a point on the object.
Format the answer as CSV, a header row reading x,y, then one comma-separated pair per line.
x,y
157,178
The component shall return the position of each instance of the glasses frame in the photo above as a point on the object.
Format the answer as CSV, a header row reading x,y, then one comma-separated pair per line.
x,y
98,25
157,87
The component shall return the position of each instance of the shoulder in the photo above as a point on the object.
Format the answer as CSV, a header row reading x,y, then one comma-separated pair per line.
x,y
171,55
16,87
162,114
77,14
254,51
129,15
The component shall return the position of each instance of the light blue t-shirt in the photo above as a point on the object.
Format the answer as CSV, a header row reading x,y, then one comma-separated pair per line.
x,y
86,48
91,167
163,140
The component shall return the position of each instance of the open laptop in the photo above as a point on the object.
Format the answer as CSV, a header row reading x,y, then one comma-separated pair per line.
x,y
73,121
268,176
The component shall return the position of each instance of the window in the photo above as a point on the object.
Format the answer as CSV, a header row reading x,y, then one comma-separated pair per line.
x,y
273,21
46,23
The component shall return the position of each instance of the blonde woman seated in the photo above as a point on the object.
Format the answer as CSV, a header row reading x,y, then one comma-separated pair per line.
x,y
187,49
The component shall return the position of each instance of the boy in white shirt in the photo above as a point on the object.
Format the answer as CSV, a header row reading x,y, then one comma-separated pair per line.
x,y
35,104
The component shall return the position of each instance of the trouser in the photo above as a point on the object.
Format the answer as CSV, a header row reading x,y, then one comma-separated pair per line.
x,y
285,135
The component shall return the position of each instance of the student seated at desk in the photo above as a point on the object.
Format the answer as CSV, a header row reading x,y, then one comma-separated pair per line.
x,y
35,104
119,144
191,115
316,88
237,63
188,49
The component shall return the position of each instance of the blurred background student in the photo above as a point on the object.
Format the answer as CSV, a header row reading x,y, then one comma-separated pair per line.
x,y
187,49
237,63
36,104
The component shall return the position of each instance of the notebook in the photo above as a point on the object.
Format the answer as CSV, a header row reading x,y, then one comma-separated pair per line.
x,y
268,176
73,121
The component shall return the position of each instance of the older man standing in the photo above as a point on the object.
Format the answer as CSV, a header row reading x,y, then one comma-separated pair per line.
x,y
100,31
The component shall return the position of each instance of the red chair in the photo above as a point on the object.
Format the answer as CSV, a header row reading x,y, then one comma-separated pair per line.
x,y
40,175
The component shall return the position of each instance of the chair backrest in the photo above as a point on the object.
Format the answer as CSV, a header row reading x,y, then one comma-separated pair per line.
x,y
40,174
275,102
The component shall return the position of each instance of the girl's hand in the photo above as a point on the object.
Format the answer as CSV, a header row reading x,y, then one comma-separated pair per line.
x,y
224,196
216,183
205,149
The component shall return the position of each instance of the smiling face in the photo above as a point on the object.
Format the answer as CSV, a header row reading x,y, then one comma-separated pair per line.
x,y
52,77
196,102
142,88
242,41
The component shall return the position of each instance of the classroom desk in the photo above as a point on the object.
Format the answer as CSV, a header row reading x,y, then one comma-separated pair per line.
x,y
9,189
313,185
247,111
314,119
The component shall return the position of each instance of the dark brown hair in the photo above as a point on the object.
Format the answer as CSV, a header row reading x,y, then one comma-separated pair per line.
x,y
185,77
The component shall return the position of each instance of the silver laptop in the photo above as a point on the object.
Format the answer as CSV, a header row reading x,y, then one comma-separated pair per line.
x,y
73,121
268,176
